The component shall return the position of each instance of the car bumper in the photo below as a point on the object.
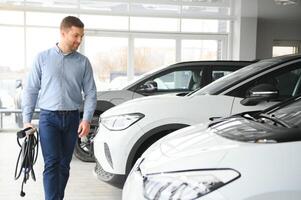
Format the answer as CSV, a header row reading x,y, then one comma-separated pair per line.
x,y
112,148
112,179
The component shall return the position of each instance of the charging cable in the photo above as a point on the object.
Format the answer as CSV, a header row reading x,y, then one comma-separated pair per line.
x,y
28,155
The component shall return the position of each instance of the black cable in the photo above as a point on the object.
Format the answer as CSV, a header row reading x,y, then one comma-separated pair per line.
x,y
27,156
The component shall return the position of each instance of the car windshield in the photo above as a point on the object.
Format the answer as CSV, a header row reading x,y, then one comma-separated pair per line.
x,y
282,124
235,77
290,114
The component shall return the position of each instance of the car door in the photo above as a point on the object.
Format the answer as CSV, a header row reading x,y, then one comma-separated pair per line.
x,y
286,79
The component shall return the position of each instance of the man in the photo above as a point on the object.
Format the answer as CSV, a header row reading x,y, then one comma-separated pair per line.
x,y
59,76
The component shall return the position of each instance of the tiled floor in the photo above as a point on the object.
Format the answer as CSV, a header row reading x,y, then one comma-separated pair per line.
x,y
82,184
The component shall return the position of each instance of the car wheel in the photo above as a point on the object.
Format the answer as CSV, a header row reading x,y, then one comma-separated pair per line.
x,y
84,149
112,179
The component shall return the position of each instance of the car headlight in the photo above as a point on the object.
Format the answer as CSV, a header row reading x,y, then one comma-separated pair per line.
x,y
120,122
186,184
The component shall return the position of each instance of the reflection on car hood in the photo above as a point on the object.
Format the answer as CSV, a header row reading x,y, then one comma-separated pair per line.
x,y
197,145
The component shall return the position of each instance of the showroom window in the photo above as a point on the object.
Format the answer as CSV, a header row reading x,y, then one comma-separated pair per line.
x,y
200,50
108,56
39,39
153,53
285,47
123,38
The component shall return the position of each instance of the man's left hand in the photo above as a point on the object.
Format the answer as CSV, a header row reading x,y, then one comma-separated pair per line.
x,y
83,129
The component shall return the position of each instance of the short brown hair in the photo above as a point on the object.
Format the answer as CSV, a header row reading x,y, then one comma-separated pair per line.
x,y
70,21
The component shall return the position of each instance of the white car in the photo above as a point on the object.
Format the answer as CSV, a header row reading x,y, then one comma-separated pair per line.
x,y
180,77
127,130
250,156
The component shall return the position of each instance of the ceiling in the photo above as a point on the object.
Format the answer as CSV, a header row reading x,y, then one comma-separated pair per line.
x,y
269,10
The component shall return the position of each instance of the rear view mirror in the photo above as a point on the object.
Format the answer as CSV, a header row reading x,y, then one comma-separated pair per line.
x,y
259,93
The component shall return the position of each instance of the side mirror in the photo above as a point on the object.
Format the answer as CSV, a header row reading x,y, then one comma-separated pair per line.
x,y
259,93
148,87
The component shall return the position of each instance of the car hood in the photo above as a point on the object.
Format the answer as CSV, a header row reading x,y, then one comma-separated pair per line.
x,y
145,103
104,95
202,146
198,146
177,109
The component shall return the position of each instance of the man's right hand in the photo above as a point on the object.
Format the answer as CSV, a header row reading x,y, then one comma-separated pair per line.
x,y
26,125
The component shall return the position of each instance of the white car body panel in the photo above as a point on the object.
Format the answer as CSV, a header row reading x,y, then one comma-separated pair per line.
x,y
160,111
268,171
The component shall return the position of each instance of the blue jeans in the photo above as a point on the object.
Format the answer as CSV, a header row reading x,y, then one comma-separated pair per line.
x,y
58,135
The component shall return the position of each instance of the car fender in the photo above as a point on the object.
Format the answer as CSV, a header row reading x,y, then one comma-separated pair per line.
x,y
160,131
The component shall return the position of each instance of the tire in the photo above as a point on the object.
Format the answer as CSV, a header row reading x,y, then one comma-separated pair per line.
x,y
84,148
112,179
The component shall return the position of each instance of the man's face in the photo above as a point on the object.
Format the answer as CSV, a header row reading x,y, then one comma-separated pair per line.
x,y
72,37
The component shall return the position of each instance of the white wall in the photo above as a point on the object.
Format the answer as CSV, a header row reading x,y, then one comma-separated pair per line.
x,y
269,30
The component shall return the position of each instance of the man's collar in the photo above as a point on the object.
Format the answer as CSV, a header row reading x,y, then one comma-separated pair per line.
x,y
60,51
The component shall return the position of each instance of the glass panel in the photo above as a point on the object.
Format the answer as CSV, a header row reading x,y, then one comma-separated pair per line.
x,y
105,22
11,17
208,26
12,2
40,39
216,74
201,2
204,10
45,19
53,3
201,50
11,65
108,56
153,53
105,6
288,82
11,50
286,79
141,8
283,50
153,24
175,80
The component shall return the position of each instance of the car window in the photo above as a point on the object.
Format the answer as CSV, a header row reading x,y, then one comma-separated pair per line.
x,y
285,80
235,77
177,80
216,74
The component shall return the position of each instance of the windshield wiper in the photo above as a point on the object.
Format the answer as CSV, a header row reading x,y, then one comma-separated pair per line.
x,y
275,120
248,116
